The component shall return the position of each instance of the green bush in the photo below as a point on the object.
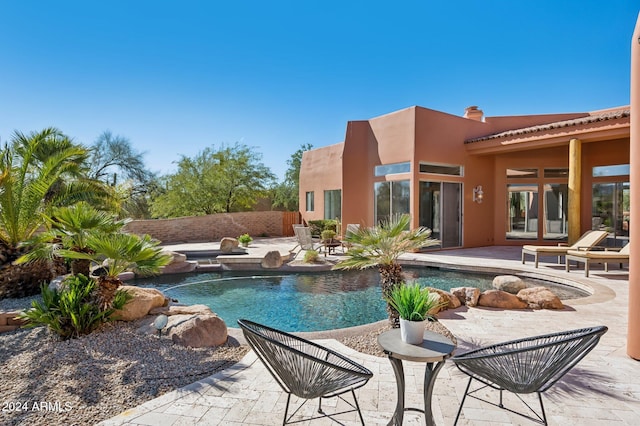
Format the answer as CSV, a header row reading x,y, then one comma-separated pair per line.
x,y
72,311
317,226
412,302
310,256
245,239
327,235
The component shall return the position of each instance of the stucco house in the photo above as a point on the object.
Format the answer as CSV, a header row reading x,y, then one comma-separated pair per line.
x,y
477,180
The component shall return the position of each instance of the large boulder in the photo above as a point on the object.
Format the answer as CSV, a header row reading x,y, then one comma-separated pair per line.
x,y
509,283
227,244
540,298
144,300
181,310
500,299
271,260
178,264
447,300
466,295
197,331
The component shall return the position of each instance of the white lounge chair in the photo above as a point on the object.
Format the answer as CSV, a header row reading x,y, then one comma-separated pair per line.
x,y
597,256
587,241
305,240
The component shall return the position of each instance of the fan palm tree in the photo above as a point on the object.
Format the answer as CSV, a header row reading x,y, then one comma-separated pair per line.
x,y
119,252
381,246
33,178
70,228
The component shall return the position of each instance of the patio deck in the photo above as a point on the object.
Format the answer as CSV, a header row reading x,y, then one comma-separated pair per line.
x,y
603,389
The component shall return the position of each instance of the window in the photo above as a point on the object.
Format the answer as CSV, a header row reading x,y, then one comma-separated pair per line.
x,y
556,196
441,169
610,210
332,203
309,205
522,209
617,170
392,199
389,169
557,173
522,173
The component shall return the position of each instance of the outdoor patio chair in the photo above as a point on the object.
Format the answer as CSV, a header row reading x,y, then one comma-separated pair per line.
x,y
597,256
526,365
587,241
305,239
305,369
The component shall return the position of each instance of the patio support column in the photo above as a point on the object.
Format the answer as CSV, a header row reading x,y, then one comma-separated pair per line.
x,y
575,180
633,331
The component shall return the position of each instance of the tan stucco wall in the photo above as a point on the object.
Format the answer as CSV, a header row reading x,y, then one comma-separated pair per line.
x,y
419,134
322,171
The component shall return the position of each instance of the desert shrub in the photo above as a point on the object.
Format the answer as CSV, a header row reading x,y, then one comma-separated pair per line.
x,y
327,235
317,226
73,310
310,256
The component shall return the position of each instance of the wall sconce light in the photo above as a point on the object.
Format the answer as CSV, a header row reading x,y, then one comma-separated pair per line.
x,y
478,194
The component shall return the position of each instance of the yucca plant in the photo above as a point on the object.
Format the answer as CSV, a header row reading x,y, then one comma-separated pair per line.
x,y
412,302
73,310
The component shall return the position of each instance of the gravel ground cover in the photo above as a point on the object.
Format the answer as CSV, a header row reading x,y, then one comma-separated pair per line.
x,y
44,381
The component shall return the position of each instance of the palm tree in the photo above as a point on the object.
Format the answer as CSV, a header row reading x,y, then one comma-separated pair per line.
x,y
32,178
119,252
70,228
381,246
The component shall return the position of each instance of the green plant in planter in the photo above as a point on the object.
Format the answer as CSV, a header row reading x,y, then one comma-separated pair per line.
x,y
245,239
310,256
328,235
412,302
73,310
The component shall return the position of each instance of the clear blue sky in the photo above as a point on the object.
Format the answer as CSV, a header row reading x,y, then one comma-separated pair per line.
x,y
177,76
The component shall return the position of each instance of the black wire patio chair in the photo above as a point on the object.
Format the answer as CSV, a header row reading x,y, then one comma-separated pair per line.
x,y
528,365
305,369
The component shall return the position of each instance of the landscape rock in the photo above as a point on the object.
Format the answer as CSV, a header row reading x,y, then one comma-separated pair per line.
x,y
181,310
144,299
227,244
271,260
448,300
179,267
540,298
197,331
467,295
509,283
500,299
175,256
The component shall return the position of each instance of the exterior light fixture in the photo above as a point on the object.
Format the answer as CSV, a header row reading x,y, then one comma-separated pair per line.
x,y
478,194
159,323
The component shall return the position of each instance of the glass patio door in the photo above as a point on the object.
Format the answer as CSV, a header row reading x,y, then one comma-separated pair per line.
x,y
610,210
440,211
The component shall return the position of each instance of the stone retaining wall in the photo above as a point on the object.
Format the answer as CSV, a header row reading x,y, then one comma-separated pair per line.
x,y
212,227
8,321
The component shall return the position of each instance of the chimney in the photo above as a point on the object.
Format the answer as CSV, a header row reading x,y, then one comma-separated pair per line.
x,y
473,113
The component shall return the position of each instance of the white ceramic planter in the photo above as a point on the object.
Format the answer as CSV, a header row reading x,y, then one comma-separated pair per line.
x,y
412,332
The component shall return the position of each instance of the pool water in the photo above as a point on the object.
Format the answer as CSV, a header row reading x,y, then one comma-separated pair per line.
x,y
303,301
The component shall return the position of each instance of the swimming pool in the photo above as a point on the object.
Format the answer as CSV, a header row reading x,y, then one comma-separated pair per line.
x,y
305,301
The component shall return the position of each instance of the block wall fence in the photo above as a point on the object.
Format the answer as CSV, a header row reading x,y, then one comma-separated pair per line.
x,y
216,226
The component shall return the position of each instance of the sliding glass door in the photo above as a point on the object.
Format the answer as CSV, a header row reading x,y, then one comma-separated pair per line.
x,y
440,211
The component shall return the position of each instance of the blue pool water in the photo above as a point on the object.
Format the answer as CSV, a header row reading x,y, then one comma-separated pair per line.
x,y
300,301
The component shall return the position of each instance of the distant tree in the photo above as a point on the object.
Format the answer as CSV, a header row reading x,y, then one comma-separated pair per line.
x,y
228,179
286,193
114,161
